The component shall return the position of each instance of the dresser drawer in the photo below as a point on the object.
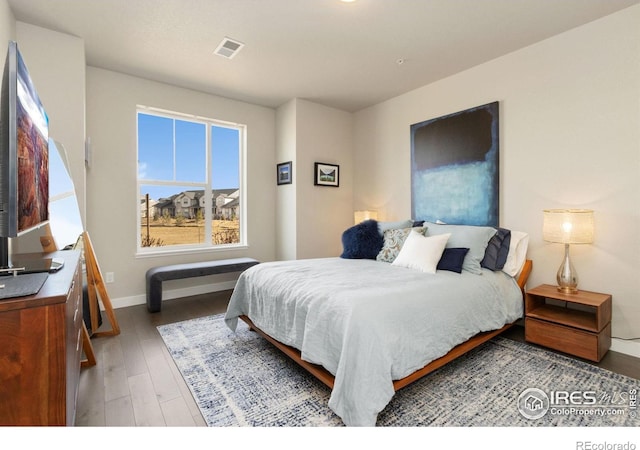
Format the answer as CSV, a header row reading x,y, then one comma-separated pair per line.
x,y
580,343
74,343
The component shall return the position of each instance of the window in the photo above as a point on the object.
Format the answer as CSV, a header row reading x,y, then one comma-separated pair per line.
x,y
189,182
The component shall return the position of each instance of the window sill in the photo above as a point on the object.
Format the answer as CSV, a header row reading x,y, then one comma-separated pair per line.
x,y
190,251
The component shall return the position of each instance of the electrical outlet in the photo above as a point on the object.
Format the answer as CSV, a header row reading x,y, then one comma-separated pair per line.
x,y
110,277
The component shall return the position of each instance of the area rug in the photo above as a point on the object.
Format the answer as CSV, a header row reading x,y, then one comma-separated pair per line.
x,y
240,379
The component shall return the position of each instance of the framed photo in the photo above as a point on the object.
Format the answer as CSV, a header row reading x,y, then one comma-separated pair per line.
x,y
284,173
327,174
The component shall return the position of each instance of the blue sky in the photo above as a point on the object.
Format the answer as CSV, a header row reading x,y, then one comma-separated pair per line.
x,y
156,154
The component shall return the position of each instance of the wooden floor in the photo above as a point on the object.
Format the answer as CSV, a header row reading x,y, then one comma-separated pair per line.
x,y
136,383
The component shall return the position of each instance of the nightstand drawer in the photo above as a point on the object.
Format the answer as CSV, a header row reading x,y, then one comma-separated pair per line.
x,y
591,346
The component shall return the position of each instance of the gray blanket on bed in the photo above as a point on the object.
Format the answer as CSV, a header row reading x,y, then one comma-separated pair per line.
x,y
368,322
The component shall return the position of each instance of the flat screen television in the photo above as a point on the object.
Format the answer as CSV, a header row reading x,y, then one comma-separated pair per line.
x,y
24,155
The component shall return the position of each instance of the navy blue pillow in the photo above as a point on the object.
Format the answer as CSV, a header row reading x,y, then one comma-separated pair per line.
x,y
495,256
452,259
362,241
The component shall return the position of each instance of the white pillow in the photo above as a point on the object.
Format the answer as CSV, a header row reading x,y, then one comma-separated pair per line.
x,y
517,253
421,252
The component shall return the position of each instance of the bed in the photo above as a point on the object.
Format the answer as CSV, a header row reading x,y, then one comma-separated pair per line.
x,y
367,327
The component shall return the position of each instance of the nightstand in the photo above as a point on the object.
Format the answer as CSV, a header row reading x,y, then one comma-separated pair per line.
x,y
578,324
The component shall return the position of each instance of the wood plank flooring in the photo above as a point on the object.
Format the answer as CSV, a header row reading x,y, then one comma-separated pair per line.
x,y
135,382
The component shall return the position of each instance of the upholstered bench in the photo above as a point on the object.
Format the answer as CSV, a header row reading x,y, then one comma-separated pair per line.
x,y
156,275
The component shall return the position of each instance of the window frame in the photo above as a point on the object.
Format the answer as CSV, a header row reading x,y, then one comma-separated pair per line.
x,y
207,186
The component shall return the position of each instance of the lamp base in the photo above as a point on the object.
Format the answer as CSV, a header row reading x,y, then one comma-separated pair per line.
x,y
567,277
567,290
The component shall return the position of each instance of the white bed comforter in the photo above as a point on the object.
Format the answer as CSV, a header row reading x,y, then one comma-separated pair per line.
x,y
368,322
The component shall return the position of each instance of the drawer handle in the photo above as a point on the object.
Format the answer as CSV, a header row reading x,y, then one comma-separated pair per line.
x,y
72,294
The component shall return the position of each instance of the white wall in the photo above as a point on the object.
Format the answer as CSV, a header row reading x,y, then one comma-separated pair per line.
x,y
323,135
311,218
112,202
569,137
7,28
286,228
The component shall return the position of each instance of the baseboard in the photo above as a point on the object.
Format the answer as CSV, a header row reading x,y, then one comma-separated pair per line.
x,y
631,348
123,302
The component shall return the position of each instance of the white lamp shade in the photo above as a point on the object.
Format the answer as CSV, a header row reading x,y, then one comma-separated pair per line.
x,y
361,216
568,226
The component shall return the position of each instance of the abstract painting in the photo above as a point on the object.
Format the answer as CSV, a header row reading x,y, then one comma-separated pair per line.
x,y
455,167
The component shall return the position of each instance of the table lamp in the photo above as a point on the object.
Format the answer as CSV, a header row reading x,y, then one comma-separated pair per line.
x,y
361,216
568,226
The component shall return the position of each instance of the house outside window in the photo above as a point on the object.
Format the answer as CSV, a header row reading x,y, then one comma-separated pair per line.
x,y
190,182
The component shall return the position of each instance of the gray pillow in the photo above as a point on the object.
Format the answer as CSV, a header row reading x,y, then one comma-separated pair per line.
x,y
495,256
384,226
475,238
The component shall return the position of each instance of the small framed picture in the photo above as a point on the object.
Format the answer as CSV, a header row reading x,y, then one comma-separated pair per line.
x,y
327,175
284,173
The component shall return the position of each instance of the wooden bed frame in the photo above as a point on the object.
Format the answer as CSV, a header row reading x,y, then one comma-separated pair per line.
x,y
327,378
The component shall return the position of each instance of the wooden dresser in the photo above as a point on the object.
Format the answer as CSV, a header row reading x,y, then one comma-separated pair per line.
x,y
41,349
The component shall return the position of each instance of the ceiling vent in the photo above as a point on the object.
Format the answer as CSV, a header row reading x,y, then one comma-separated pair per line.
x,y
228,48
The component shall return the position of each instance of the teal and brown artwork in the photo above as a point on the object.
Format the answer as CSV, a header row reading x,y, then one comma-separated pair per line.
x,y
455,167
